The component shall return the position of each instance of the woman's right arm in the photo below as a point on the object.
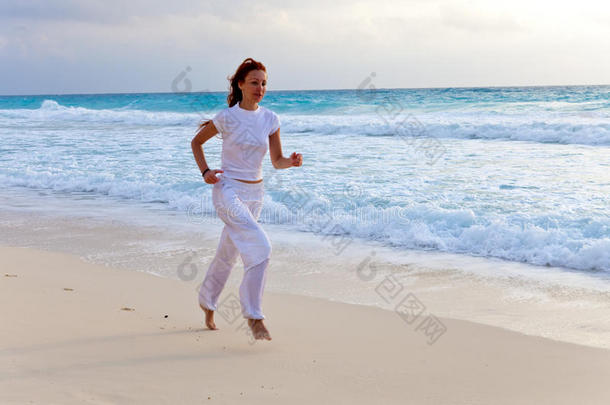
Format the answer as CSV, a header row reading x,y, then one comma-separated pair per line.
x,y
205,133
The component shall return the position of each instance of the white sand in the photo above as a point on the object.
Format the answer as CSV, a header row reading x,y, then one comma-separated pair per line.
x,y
61,346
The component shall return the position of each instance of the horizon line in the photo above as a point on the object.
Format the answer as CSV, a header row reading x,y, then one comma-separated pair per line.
x,y
284,90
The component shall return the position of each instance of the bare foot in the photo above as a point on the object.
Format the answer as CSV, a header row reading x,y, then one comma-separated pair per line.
x,y
258,329
209,318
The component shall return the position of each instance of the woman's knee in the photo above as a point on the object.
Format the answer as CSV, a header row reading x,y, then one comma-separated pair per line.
x,y
226,260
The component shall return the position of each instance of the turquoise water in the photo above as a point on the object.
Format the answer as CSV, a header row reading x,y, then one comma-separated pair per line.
x,y
521,174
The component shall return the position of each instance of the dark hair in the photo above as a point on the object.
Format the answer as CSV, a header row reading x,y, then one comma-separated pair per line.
x,y
235,94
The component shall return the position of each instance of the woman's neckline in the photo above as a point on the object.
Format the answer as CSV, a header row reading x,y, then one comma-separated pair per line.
x,y
258,108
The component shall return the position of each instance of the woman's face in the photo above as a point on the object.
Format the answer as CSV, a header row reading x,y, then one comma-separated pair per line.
x,y
254,86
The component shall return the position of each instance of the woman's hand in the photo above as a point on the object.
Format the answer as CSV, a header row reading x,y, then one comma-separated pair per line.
x,y
296,159
210,176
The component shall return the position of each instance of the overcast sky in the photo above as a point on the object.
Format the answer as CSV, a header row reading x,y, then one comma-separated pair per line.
x,y
104,46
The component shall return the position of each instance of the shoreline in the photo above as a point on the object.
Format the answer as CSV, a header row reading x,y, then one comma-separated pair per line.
x,y
555,303
66,339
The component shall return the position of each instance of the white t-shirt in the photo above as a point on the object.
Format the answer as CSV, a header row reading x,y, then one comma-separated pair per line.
x,y
245,140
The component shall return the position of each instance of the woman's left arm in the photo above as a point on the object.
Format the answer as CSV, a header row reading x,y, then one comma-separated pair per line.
x,y
275,152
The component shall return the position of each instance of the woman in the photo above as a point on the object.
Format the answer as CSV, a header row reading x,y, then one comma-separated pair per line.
x,y
247,130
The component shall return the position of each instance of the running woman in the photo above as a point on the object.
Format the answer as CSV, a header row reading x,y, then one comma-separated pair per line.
x,y
247,130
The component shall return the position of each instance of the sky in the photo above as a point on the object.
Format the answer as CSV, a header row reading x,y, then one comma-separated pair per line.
x,y
108,46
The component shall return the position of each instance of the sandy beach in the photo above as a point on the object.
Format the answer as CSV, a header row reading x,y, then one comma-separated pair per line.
x,y
77,332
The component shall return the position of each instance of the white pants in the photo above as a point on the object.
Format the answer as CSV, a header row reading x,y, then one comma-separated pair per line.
x,y
239,205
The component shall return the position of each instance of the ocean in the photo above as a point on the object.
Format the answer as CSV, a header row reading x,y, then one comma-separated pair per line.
x,y
489,204
521,174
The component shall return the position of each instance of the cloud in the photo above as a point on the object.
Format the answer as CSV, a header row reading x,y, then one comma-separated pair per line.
x,y
74,46
105,11
478,20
